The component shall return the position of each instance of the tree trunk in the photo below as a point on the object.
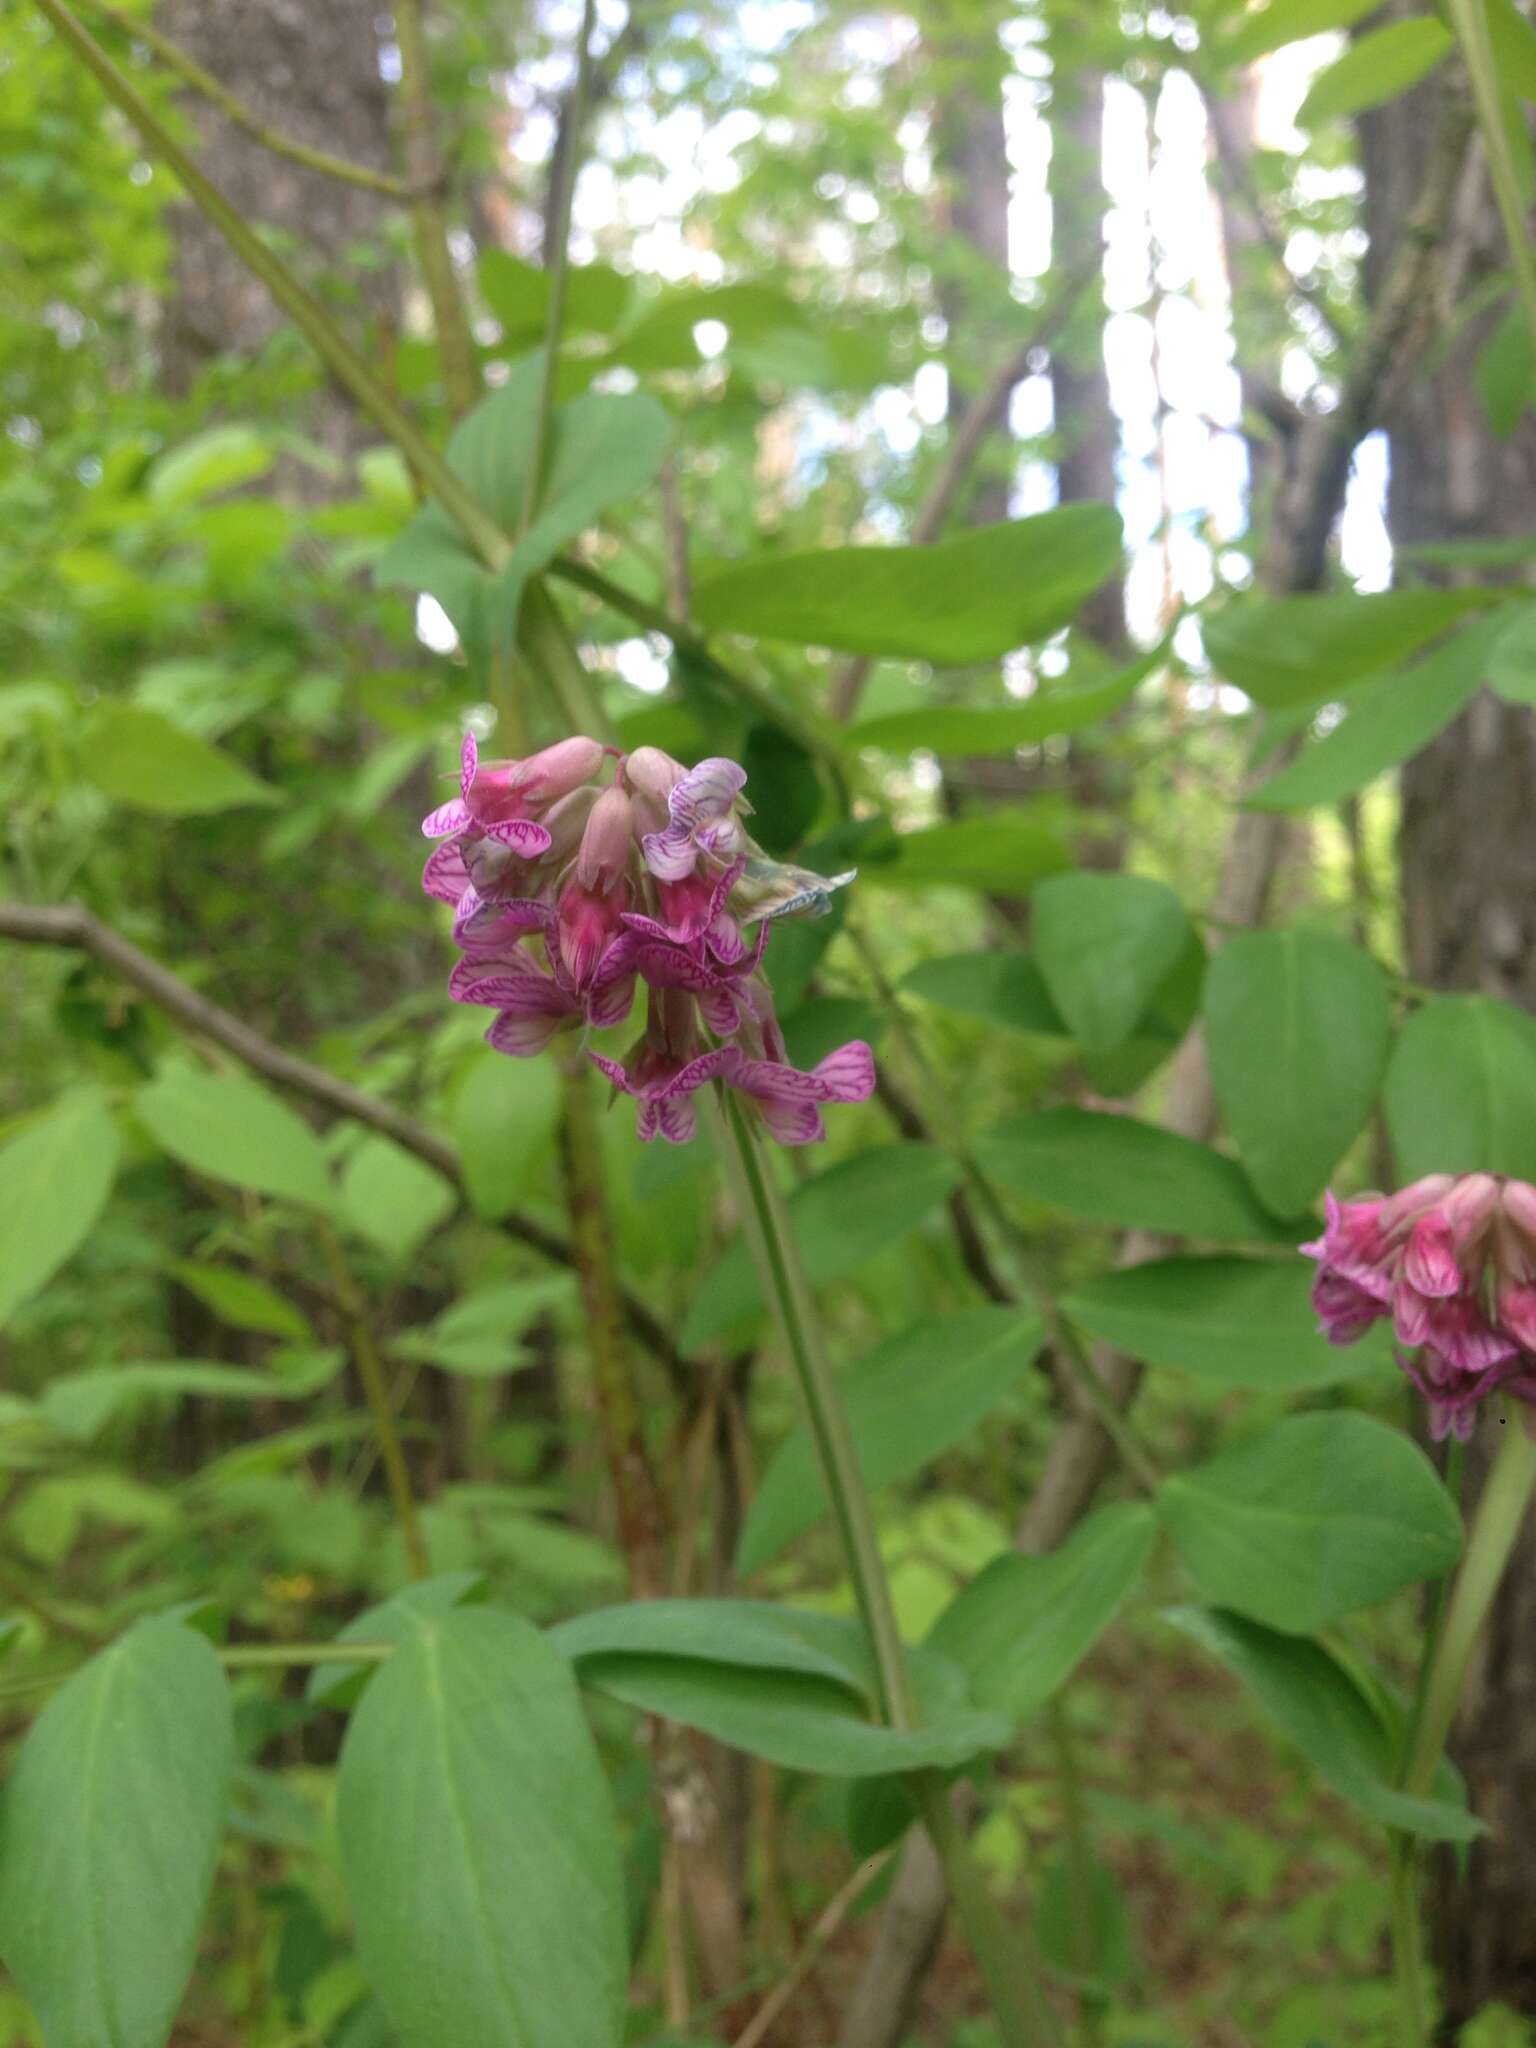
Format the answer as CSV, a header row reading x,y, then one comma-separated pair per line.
x,y
1468,847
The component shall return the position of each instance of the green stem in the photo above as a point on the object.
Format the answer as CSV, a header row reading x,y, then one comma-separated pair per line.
x,y
455,344
1469,19
1010,1966
262,1656
557,244
778,1258
176,59
311,319
1454,1631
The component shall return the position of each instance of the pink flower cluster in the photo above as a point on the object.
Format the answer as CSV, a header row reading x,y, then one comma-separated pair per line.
x,y
1452,1260
567,892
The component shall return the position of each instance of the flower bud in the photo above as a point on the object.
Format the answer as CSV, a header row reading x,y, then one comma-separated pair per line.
x,y
651,773
607,843
557,770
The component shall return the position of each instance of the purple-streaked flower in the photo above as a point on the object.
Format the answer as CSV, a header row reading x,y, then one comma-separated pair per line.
x,y
1452,1260
665,1068
791,1101
702,813
501,797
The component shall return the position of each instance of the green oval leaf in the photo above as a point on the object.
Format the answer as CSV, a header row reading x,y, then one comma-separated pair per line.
x,y
909,1401
1310,1520
957,732
970,599
109,1831
229,1128
1297,650
1006,853
138,758
1113,1169
840,1219
1000,988
1377,66
55,1176
1022,1626
1460,1093
1297,1025
393,1198
1105,944
479,1846
1235,1322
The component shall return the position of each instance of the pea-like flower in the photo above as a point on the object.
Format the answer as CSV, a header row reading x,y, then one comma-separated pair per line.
x,y
1452,1260
568,895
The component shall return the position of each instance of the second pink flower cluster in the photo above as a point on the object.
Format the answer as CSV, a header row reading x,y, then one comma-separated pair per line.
x,y
569,891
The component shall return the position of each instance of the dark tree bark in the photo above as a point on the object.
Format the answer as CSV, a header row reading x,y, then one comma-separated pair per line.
x,y
1468,845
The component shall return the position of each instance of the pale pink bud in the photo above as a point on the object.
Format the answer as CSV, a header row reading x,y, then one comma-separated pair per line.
x,y
1518,1200
557,770
607,843
651,773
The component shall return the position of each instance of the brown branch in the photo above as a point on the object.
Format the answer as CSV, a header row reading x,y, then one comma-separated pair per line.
x,y
72,925
832,1916
455,345
963,446
187,68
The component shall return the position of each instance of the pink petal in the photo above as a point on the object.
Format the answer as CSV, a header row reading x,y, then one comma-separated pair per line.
x,y
1429,1263
648,1122
706,791
522,1036
614,1069
527,839
608,1003
670,855
848,1074
705,1068
720,1011
677,1119
445,875
449,817
794,1123
469,760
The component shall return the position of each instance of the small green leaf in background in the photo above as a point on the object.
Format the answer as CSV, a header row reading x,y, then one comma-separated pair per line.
x,y
1235,1322
1388,719
1460,1093
1312,1700
954,731
1024,1624
998,987
393,1198
55,1177
1247,34
840,1219
233,1130
502,1117
109,1831
390,1621
1005,853
917,1394
81,1404
479,1846
481,1336
1297,1025
1082,1922
1511,668
1105,943
1505,375
245,1302
218,459
1377,66
138,758
970,599
754,1635
1312,1519
1114,1169
1298,650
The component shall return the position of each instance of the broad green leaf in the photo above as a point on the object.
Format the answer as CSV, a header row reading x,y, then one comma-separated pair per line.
x,y
138,758
81,1404
109,1831
1022,1626
393,1198
755,1635
1297,1026
244,1301
1505,376
1313,1700
795,1720
953,732
1511,671
964,600
1388,720
1105,943
227,1127
1006,853
1377,66
481,1335
1310,1520
1297,650
840,1219
663,336
1514,48
502,1117
1236,1322
517,293
10,1632
1000,988
1460,1093
479,1846
1256,31
920,1392
815,1028
216,460
1082,1921
1113,1169
55,1177
603,446
390,1621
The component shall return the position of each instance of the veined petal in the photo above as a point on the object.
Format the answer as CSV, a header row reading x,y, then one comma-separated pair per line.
x,y
521,1035
676,1118
1429,1262
648,1122
608,1002
794,1123
445,875
449,817
469,761
706,792
707,1067
526,838
614,1069
670,855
